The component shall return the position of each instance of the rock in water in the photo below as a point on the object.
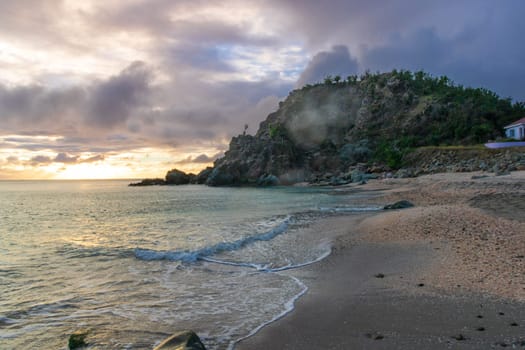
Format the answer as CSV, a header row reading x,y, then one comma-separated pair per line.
x,y
177,177
185,340
399,205
77,340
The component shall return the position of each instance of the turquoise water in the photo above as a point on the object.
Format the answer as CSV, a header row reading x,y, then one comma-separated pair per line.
x,y
134,264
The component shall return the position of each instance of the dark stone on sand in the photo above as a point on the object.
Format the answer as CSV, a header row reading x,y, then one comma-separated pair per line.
x,y
459,337
77,340
514,324
501,313
399,205
185,340
375,336
480,329
421,285
379,275
479,316
475,177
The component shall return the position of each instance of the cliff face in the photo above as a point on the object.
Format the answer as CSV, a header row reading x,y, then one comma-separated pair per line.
x,y
322,130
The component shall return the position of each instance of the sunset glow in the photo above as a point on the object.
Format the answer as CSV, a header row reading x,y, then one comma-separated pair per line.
x,y
111,89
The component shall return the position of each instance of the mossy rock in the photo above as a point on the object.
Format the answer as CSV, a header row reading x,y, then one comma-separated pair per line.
x,y
77,340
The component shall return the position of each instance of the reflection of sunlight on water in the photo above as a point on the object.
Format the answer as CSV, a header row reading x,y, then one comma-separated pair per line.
x,y
74,243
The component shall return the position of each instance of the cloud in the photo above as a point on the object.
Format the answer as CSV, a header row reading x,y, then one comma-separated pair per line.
x,y
335,62
40,160
203,158
113,101
200,159
93,159
65,158
122,76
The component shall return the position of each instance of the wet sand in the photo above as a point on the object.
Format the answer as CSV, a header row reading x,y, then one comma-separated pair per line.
x,y
446,274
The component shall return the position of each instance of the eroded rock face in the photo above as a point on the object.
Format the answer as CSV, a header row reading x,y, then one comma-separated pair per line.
x,y
251,159
185,340
203,176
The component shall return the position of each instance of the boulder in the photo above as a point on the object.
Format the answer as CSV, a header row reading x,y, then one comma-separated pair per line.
x,y
402,204
185,340
177,177
77,340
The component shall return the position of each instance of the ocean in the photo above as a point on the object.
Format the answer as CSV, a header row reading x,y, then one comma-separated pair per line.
x,y
132,265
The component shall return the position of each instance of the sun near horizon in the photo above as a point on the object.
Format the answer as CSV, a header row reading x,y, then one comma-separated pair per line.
x,y
139,164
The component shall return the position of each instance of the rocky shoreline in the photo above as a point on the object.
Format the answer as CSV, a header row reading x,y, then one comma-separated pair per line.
x,y
422,161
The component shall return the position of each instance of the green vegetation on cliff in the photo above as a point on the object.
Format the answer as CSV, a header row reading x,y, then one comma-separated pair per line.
x,y
375,118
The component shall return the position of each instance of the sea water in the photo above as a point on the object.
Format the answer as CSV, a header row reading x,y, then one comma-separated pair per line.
x,y
134,264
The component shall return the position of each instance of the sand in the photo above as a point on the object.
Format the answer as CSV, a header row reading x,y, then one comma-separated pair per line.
x,y
448,273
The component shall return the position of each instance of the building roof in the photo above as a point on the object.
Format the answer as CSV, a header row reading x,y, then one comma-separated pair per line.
x,y
516,123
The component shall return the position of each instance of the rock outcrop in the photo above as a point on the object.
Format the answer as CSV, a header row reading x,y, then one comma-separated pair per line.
x,y
177,177
320,132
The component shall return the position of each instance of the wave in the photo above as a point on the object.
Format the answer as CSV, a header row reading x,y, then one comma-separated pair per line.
x,y
288,307
268,268
199,254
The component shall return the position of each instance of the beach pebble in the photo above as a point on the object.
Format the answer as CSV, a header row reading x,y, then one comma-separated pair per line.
x,y
375,336
402,204
459,337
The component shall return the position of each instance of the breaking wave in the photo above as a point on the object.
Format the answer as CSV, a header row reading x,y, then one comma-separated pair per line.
x,y
194,255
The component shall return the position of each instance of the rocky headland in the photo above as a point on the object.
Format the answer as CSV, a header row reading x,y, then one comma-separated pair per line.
x,y
397,124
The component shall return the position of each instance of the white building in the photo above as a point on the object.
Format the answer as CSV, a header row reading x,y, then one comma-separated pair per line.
x,y
516,130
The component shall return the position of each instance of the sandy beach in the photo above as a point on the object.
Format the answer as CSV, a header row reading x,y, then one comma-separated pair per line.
x,y
448,273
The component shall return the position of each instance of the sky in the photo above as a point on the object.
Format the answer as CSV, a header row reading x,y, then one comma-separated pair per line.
x,y
131,89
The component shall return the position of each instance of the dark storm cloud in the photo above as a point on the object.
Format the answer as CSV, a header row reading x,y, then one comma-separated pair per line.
x,y
34,105
100,106
334,62
112,101
473,42
63,158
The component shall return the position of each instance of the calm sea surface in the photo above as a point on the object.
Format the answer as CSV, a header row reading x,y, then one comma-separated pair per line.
x,y
135,264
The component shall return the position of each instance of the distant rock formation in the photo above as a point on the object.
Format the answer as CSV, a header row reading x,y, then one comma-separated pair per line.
x,y
176,177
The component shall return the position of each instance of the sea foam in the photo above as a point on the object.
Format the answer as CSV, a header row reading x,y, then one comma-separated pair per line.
x,y
194,255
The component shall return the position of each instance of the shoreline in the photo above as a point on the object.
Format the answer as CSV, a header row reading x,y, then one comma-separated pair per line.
x,y
407,279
